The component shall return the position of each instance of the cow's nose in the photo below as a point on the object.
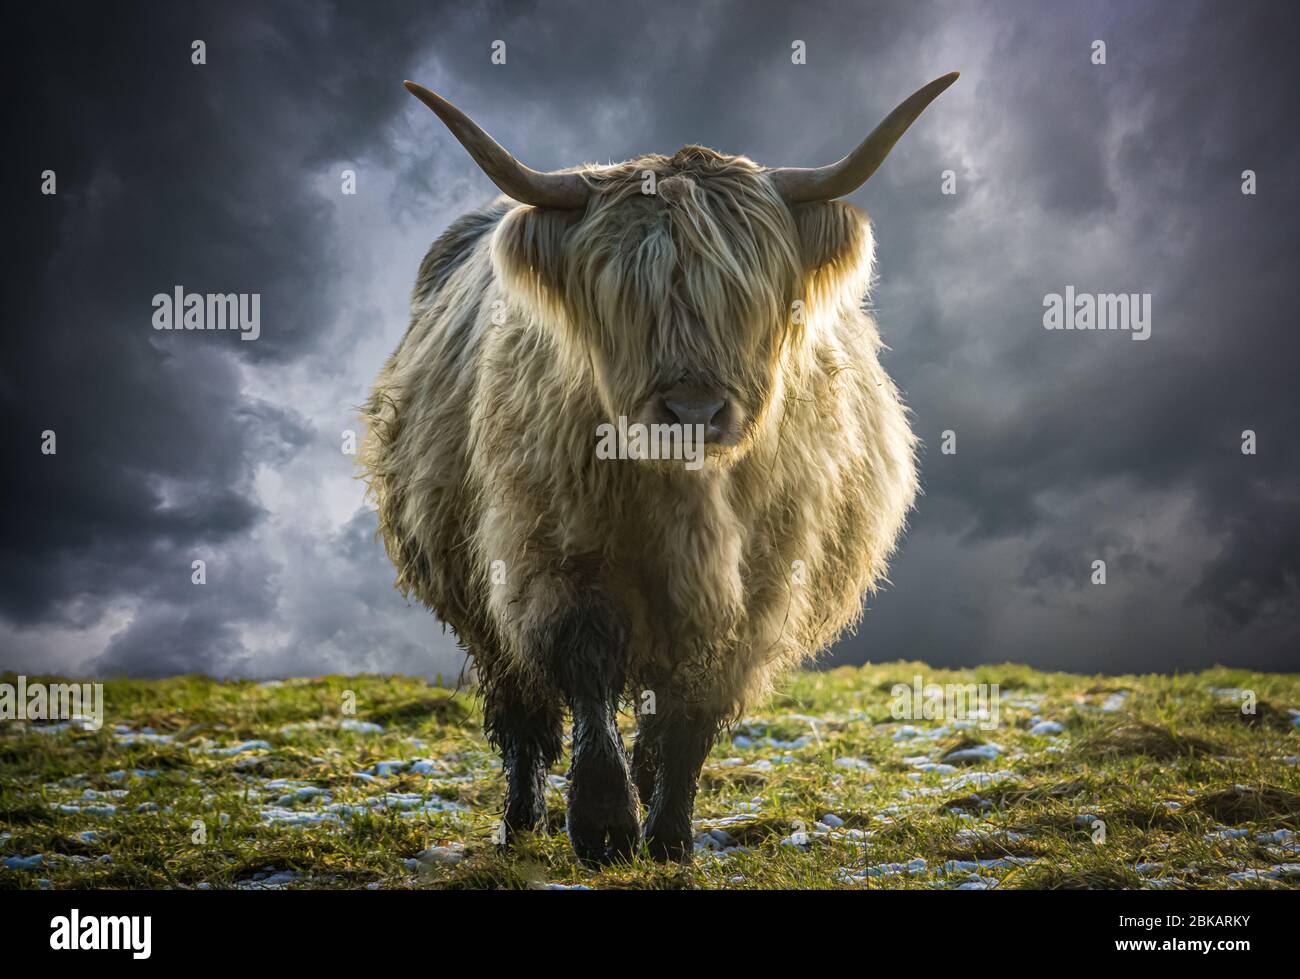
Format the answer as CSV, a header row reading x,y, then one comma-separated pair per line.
x,y
696,410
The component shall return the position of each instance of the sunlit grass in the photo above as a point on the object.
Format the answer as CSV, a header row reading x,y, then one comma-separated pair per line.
x,y
1185,787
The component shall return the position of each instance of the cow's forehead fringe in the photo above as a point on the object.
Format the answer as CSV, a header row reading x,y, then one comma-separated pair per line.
x,y
693,274
697,162
711,234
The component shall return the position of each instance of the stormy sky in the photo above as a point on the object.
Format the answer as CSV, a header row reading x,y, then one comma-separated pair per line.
x,y
1072,447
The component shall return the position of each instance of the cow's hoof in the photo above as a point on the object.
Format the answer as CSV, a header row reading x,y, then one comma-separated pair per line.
x,y
669,848
604,818
508,832
522,817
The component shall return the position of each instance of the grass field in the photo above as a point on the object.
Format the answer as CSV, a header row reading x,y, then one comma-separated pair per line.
x,y
351,782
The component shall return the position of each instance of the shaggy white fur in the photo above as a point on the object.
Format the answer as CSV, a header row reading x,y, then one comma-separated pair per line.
x,y
530,327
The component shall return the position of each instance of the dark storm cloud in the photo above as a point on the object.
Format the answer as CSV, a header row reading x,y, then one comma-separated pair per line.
x,y
168,174
1071,447
1165,129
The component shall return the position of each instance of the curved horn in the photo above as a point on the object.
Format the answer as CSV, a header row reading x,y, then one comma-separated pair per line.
x,y
564,190
798,185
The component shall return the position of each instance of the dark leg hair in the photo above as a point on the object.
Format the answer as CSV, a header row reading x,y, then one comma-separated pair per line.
x,y
527,730
586,655
678,741
645,762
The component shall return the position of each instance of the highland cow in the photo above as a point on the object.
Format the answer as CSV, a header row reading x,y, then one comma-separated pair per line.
x,y
698,290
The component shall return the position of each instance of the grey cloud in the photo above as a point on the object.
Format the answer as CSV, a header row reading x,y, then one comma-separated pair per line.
x,y
222,178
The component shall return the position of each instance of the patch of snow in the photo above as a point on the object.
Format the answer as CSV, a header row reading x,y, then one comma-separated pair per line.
x,y
91,810
727,820
1282,870
295,726
989,863
121,776
269,881
304,794
125,736
1043,728
239,749
1227,834
1115,701
436,856
1234,692
973,837
1276,836
360,727
980,780
855,763
977,883
912,867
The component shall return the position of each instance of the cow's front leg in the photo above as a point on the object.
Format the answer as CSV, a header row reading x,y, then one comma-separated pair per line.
x,y
678,741
526,726
588,648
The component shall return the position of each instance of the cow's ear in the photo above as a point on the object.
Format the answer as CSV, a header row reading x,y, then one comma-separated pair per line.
x,y
837,247
529,248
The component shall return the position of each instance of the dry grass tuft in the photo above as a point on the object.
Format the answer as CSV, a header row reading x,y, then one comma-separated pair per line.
x,y
1141,738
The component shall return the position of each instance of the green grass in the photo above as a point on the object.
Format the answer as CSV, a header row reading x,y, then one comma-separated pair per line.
x,y
1166,763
